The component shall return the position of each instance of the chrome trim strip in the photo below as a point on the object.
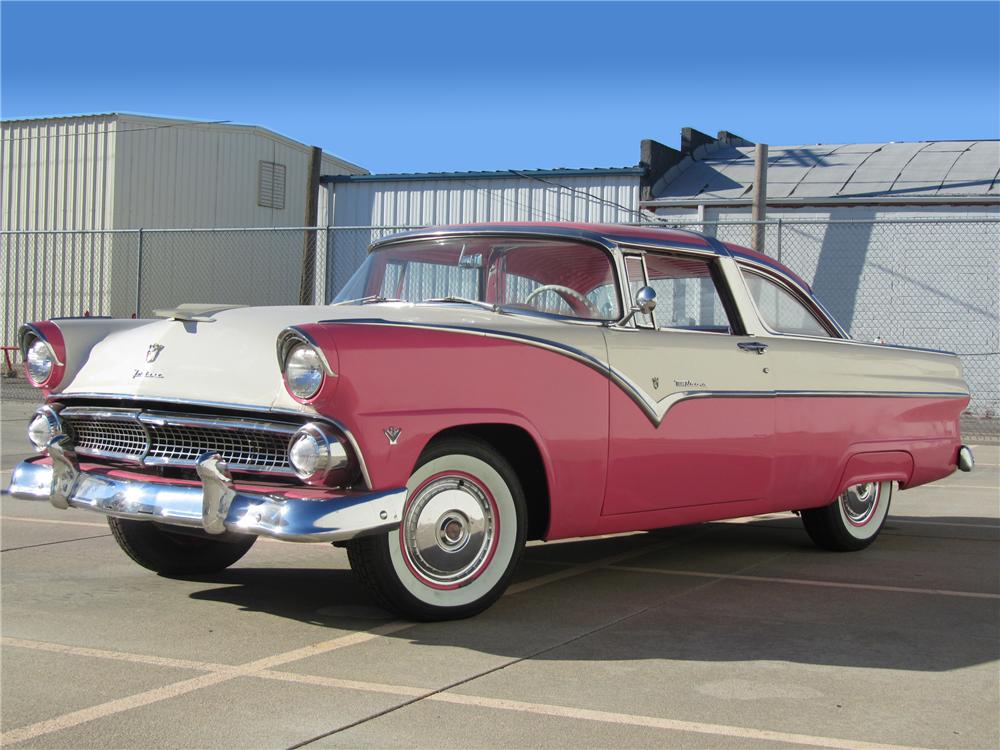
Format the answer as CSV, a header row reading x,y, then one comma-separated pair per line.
x,y
284,345
32,329
339,517
304,415
147,421
655,410
161,419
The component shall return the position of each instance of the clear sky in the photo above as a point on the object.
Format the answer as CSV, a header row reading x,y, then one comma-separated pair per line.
x,y
455,86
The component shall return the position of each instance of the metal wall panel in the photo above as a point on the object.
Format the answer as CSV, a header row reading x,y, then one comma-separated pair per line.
x,y
590,198
58,173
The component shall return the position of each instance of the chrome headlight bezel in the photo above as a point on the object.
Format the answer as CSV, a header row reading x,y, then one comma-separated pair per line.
x,y
47,417
39,361
303,371
329,454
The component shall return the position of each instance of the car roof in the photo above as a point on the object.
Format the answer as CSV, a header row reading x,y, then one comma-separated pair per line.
x,y
608,234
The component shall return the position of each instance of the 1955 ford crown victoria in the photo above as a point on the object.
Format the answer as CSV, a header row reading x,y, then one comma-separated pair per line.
x,y
473,387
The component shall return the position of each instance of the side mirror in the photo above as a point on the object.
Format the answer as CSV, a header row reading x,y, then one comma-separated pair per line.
x,y
645,302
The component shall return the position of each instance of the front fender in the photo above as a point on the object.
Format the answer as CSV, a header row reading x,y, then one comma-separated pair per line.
x,y
413,383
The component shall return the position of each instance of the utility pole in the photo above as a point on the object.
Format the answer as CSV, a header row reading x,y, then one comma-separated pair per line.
x,y
307,281
759,210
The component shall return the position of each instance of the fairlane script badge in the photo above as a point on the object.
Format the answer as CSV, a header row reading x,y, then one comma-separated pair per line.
x,y
146,374
153,352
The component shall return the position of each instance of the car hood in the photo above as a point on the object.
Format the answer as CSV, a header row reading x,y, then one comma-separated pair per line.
x,y
228,356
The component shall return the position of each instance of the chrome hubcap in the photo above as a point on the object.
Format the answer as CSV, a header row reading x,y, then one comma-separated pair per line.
x,y
859,502
448,531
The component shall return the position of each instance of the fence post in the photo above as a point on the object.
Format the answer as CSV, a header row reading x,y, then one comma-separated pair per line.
x,y
138,272
779,240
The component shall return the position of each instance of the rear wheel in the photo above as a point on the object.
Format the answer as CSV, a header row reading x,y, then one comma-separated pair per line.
x,y
176,553
853,520
461,536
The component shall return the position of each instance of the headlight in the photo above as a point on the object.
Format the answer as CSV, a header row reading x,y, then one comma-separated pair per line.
x,y
40,361
303,372
44,426
315,451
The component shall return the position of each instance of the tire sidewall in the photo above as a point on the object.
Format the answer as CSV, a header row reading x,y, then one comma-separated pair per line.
x,y
873,525
511,522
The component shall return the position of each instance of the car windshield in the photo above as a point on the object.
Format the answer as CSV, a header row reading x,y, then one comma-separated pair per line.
x,y
556,277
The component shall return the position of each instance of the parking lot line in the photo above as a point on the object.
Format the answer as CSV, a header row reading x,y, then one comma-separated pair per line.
x,y
805,582
99,653
655,722
4,519
220,673
57,541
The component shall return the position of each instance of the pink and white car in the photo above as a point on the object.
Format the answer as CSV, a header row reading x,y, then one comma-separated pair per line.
x,y
474,387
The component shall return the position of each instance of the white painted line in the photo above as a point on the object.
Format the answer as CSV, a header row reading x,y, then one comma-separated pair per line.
x,y
578,570
175,689
992,526
75,718
222,673
806,582
654,722
336,682
4,519
956,487
98,653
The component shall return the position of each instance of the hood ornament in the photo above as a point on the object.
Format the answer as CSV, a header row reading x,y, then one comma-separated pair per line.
x,y
153,352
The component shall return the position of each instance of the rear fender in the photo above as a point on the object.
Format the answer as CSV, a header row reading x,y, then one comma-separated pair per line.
x,y
881,466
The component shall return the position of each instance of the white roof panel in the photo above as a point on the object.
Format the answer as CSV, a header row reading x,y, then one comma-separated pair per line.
x,y
942,168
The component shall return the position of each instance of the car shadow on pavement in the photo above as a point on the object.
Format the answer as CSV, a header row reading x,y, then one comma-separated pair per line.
x,y
714,593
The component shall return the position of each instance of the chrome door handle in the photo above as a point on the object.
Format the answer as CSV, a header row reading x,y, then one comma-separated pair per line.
x,y
752,346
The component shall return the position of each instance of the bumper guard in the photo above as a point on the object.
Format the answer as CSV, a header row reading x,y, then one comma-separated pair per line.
x,y
216,506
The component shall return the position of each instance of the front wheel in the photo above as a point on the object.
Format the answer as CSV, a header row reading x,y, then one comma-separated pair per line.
x,y
461,536
853,520
167,553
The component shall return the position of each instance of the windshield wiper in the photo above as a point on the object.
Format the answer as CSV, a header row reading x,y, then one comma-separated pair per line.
x,y
370,299
467,301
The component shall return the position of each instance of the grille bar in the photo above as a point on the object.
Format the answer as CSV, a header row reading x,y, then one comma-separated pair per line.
x,y
161,439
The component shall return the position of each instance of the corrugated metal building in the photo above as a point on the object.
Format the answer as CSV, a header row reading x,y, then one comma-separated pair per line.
x,y
120,171
893,236
420,199
70,185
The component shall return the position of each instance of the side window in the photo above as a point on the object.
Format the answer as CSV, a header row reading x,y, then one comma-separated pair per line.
x,y
636,281
686,296
780,309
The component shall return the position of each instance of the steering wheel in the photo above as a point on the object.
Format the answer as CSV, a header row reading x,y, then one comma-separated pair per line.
x,y
570,295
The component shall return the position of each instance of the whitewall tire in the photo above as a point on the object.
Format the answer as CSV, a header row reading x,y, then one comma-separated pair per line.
x,y
853,520
461,537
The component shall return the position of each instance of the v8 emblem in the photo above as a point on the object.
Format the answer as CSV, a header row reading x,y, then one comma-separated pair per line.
x,y
392,433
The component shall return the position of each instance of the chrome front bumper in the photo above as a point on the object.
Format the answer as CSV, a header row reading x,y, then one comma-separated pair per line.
x,y
215,507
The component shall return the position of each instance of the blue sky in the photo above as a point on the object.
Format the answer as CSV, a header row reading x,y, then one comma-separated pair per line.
x,y
456,86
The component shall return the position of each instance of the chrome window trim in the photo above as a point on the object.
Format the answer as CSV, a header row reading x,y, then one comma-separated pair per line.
x,y
610,247
797,294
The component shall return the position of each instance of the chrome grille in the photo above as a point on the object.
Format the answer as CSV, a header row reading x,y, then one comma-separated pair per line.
x,y
159,439
114,438
245,448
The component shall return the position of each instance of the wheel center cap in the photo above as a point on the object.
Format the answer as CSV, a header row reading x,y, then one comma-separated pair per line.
x,y
452,531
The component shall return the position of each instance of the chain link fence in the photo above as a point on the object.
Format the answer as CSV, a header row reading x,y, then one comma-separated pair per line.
x,y
929,283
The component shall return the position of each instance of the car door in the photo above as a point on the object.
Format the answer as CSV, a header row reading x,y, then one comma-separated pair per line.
x,y
692,416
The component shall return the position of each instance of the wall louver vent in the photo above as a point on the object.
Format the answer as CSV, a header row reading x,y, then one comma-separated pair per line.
x,y
271,185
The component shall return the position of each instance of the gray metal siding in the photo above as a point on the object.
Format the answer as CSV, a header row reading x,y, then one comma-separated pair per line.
x,y
58,173
459,201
